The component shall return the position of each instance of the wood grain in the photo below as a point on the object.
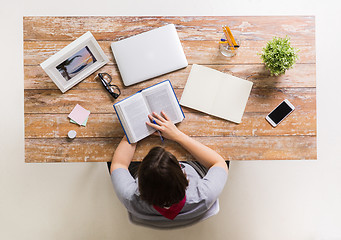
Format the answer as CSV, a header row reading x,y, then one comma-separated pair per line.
x,y
260,100
46,108
231,148
199,52
108,126
302,75
250,28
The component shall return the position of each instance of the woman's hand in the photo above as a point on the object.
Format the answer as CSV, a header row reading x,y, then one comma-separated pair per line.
x,y
165,126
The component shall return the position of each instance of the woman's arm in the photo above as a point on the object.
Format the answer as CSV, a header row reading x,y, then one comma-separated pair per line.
x,y
123,155
203,154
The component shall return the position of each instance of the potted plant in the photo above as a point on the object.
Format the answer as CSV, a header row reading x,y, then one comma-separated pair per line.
x,y
279,55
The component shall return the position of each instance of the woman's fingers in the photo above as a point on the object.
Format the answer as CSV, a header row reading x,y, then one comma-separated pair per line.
x,y
152,119
165,115
155,126
159,117
158,122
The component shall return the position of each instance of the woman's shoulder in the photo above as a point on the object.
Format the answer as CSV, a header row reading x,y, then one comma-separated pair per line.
x,y
208,188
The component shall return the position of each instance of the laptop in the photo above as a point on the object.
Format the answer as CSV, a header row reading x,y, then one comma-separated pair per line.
x,y
149,54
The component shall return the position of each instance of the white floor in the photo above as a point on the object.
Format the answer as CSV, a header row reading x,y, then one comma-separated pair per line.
x,y
262,199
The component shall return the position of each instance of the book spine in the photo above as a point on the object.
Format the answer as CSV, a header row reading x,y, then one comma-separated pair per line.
x,y
176,99
121,123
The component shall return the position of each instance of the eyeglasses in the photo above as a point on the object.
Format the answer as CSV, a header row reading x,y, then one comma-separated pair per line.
x,y
111,88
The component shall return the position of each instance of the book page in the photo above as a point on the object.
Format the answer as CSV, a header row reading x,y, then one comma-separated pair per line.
x,y
136,112
161,97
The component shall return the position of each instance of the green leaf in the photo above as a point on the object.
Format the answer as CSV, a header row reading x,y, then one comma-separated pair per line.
x,y
278,55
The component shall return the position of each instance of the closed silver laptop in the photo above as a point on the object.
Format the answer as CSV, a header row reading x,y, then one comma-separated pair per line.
x,y
149,54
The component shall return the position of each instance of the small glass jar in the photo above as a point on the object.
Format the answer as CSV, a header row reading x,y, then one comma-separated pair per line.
x,y
226,50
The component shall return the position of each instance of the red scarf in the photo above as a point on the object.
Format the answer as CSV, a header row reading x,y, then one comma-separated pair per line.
x,y
173,210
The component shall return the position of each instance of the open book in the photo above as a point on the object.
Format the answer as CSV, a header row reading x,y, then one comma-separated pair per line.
x,y
216,93
133,111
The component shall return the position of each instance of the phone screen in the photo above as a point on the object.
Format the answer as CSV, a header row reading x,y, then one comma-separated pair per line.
x,y
280,112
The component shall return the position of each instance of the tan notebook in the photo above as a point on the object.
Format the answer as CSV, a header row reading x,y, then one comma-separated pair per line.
x,y
216,93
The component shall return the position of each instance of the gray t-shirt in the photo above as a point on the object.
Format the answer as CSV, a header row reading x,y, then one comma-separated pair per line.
x,y
201,198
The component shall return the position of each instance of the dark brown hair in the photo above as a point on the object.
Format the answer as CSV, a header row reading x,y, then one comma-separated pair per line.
x,y
160,178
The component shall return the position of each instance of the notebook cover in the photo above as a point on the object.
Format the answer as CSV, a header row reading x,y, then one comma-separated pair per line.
x,y
216,93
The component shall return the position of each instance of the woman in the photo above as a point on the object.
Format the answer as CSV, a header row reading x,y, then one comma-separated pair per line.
x,y
165,193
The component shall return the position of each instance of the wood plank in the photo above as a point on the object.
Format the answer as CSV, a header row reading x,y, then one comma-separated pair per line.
x,y
252,28
199,52
236,148
301,75
108,126
99,101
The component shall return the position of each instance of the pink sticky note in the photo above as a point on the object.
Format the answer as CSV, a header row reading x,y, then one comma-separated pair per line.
x,y
79,114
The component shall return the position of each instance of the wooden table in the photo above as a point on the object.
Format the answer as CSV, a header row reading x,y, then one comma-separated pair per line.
x,y
46,108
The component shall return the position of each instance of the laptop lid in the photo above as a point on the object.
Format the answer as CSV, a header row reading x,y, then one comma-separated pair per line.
x,y
149,54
